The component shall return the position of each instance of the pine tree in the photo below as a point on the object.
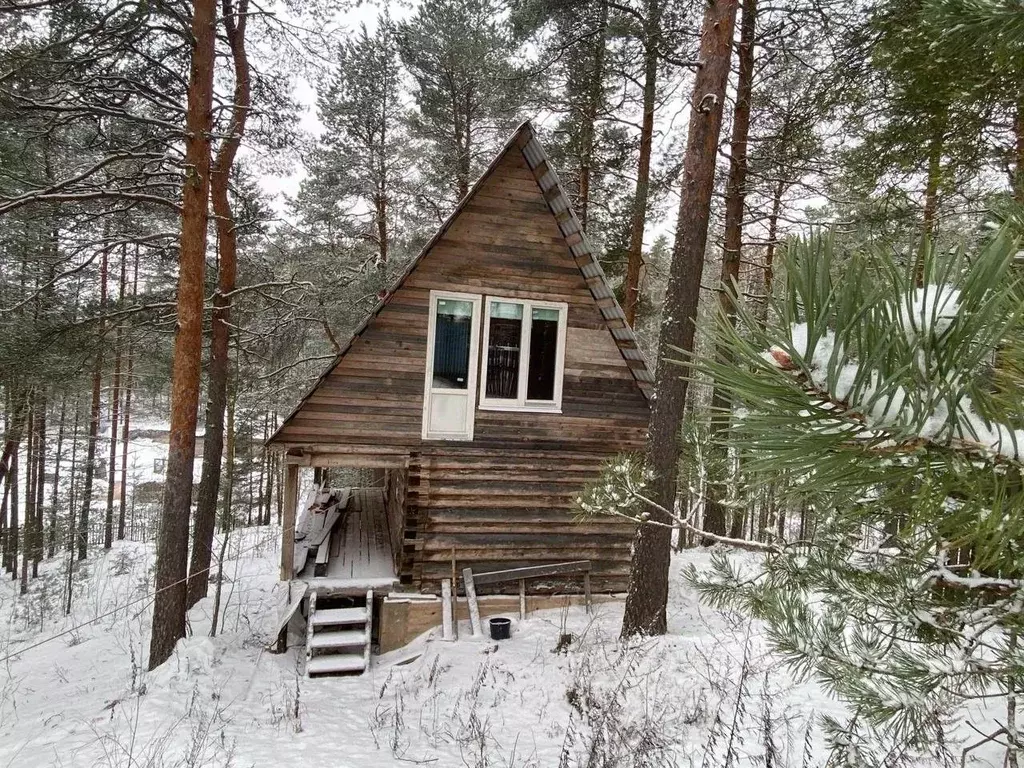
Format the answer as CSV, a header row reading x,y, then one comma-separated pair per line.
x,y
903,433
172,549
648,579
234,21
922,117
468,91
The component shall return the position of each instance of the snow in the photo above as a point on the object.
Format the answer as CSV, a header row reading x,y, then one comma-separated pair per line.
x,y
929,311
709,693
84,699
924,316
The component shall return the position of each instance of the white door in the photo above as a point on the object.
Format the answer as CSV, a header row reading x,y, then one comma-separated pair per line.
x,y
449,395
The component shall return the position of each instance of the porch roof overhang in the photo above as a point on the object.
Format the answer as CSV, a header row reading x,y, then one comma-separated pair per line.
x,y
343,455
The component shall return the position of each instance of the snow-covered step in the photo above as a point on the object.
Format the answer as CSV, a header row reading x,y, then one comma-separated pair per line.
x,y
338,639
351,638
330,616
336,663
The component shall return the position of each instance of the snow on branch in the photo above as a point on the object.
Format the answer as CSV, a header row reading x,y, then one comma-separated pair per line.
x,y
937,411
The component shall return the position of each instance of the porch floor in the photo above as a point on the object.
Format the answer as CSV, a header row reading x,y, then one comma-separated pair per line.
x,y
360,555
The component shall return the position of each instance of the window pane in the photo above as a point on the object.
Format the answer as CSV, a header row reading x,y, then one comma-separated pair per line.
x,y
540,381
453,323
503,348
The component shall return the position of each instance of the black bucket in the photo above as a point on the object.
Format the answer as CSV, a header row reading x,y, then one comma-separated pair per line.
x,y
501,628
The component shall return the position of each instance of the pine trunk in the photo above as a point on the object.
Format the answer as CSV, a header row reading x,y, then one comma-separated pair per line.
x,y
82,533
13,529
769,250
735,195
4,495
40,476
115,405
172,545
648,581
931,191
126,421
229,462
635,259
931,196
381,205
1018,154
213,440
30,495
73,479
588,137
19,404
94,421
51,541
271,474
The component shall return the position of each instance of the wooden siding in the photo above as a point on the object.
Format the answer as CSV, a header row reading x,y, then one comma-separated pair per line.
x,y
505,498
504,243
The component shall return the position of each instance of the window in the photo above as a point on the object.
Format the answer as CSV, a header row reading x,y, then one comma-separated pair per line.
x,y
453,321
449,394
524,355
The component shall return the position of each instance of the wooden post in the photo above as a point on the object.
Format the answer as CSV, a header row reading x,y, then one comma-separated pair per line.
x,y
522,599
586,590
474,608
310,610
291,503
455,599
446,610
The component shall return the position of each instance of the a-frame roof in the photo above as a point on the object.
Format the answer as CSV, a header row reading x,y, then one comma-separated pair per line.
x,y
525,140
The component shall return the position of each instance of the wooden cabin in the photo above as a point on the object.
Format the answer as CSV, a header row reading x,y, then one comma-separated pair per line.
x,y
487,389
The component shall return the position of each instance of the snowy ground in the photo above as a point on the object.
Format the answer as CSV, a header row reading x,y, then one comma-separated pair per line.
x,y
708,694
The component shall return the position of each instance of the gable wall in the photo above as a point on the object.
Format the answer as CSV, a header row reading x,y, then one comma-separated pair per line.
x,y
504,499
504,243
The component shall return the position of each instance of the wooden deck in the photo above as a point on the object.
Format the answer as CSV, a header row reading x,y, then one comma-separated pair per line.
x,y
360,552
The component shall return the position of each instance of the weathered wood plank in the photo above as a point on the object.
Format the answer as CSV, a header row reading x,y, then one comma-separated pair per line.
x,y
532,572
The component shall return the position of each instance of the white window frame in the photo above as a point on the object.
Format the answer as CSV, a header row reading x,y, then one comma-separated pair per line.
x,y
474,356
521,403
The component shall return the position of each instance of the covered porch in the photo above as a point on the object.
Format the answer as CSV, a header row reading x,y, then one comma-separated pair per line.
x,y
347,547
345,536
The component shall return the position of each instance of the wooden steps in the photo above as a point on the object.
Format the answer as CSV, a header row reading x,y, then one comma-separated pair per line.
x,y
335,665
346,639
338,639
339,616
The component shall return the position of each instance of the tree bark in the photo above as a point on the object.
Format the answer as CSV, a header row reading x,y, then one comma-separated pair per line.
x,y
735,196
51,539
635,259
648,582
213,441
14,432
40,478
172,545
1018,154
12,529
94,421
769,251
72,480
115,405
28,537
126,421
931,196
589,127
229,461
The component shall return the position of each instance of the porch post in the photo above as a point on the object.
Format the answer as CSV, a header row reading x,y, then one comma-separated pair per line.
x,y
291,503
